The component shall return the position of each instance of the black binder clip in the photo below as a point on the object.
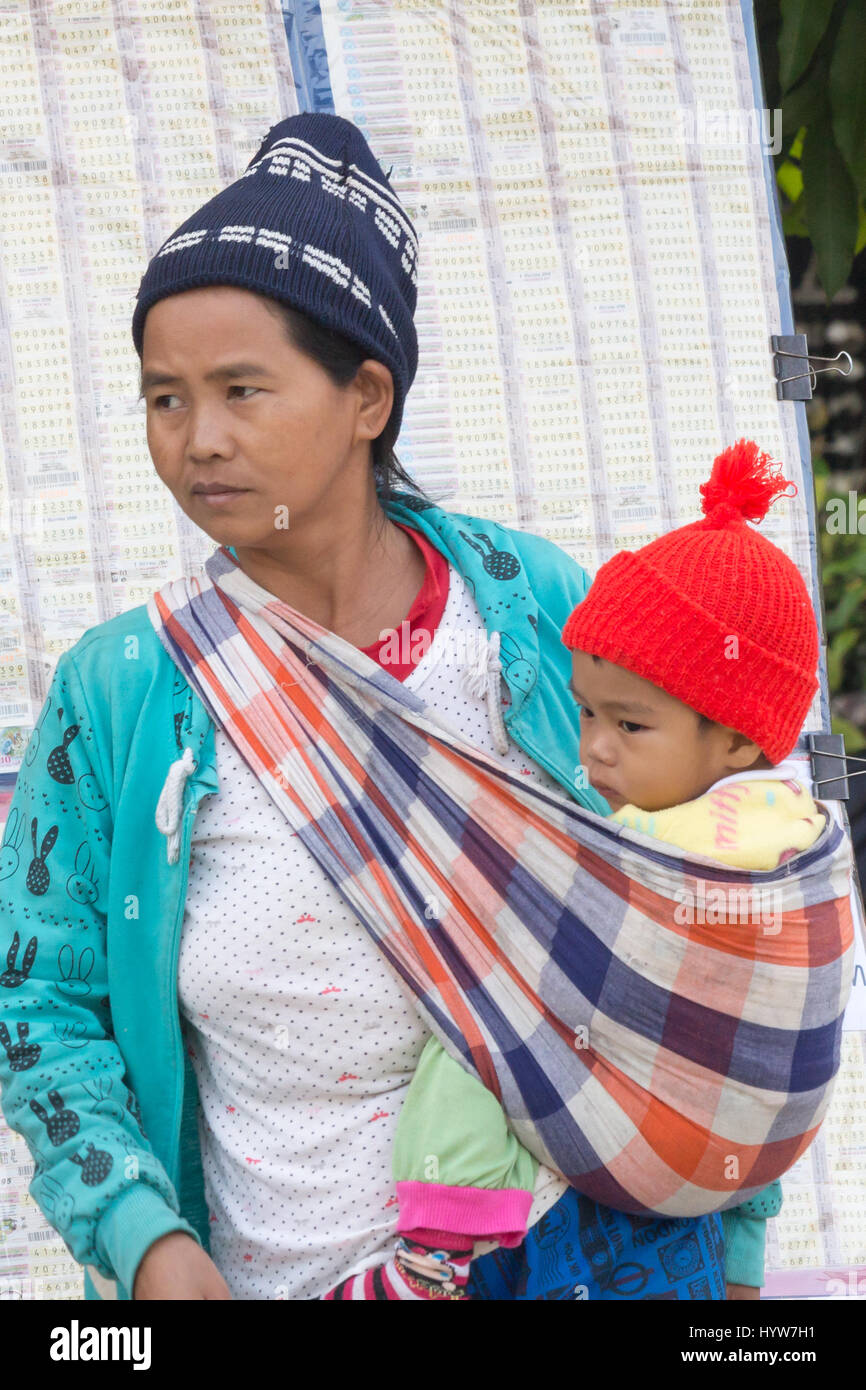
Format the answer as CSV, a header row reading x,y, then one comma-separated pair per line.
x,y
798,386
829,766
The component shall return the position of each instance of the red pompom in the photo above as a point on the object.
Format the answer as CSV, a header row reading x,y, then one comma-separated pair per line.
x,y
742,482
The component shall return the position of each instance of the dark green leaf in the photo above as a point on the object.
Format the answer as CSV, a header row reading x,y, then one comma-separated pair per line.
x,y
793,219
803,25
767,24
847,88
831,206
807,103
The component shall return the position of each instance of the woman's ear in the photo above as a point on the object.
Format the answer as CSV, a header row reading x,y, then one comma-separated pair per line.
x,y
375,386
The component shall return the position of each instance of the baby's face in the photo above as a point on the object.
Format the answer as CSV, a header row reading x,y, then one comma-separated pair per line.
x,y
639,745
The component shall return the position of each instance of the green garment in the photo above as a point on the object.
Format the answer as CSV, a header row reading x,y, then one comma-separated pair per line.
x,y
453,1131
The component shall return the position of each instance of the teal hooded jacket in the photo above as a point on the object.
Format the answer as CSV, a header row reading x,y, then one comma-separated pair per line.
x,y
93,1070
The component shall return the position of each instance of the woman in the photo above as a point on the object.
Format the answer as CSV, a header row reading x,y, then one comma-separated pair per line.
x,y
206,1053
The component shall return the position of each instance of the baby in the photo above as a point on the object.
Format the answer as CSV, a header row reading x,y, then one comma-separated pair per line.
x,y
693,668
662,768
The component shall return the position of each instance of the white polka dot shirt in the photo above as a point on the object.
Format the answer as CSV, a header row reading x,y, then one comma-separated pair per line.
x,y
302,1036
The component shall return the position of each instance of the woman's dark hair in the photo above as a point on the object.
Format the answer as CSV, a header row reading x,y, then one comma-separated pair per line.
x,y
341,358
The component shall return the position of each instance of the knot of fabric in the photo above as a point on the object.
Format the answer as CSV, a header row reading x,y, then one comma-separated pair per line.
x,y
168,808
483,670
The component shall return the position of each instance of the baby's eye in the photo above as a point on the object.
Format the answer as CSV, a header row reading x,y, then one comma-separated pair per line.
x,y
633,727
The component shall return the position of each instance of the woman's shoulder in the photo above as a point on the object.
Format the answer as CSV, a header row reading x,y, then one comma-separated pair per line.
x,y
117,683
125,646
547,555
548,567
558,581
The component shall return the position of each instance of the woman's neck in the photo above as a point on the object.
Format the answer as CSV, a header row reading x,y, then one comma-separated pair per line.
x,y
356,581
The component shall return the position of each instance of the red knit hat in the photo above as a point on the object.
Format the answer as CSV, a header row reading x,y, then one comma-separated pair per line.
x,y
668,611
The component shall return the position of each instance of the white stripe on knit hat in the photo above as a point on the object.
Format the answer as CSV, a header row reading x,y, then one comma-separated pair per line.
x,y
275,241
389,323
384,223
338,164
183,241
236,232
328,264
272,240
377,191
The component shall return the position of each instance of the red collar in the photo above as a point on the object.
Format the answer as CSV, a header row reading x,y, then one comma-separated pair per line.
x,y
406,642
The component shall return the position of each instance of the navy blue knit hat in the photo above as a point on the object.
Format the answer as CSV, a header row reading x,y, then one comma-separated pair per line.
x,y
315,223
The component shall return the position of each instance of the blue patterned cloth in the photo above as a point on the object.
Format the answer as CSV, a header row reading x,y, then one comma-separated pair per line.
x,y
580,1250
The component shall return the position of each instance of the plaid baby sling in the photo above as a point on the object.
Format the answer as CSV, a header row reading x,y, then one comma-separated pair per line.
x,y
662,1029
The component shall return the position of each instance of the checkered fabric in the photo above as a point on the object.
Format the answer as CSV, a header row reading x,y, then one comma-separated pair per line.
x,y
662,1060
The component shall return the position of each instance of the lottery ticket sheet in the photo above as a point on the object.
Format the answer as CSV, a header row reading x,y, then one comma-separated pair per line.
x,y
601,269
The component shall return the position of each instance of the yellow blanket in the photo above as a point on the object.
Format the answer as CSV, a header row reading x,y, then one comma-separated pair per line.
x,y
753,824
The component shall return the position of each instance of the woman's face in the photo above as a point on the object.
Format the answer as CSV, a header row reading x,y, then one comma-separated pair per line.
x,y
231,401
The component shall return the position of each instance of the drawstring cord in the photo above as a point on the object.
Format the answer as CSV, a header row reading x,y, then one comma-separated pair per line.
x,y
168,808
483,671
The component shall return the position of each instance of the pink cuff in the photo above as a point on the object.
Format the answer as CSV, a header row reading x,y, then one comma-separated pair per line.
x,y
485,1213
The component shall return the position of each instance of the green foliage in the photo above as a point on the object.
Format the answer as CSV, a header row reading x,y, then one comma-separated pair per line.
x,y
855,740
813,55
843,575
